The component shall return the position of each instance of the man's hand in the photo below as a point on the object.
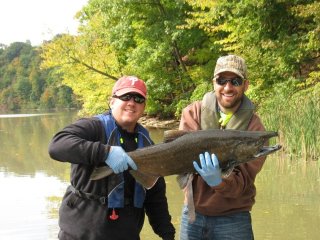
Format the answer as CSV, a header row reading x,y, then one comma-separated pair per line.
x,y
210,170
119,160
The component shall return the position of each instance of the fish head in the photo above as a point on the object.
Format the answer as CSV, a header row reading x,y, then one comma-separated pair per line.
x,y
250,146
266,150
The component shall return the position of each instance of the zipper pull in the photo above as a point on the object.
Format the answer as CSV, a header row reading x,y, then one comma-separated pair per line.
x,y
114,216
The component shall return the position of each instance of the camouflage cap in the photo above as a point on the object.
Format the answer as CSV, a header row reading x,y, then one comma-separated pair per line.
x,y
231,63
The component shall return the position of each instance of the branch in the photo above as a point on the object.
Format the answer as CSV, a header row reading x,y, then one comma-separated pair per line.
x,y
94,69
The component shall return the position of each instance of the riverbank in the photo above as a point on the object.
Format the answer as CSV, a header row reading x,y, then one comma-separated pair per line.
x,y
154,122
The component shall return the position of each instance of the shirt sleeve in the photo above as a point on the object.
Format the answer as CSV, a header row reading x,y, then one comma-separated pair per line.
x,y
190,117
80,143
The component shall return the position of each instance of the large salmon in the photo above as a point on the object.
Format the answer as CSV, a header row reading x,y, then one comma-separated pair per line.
x,y
181,148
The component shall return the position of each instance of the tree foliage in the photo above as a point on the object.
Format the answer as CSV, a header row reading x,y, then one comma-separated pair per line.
x,y
139,38
24,85
173,46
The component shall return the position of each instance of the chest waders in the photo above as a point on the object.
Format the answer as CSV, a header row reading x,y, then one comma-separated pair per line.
x,y
115,186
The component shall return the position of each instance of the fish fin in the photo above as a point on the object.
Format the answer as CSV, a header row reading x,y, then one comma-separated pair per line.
x,y
146,180
171,135
228,167
226,173
182,180
100,172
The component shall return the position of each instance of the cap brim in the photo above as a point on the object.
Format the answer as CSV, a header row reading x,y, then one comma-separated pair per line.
x,y
129,90
235,71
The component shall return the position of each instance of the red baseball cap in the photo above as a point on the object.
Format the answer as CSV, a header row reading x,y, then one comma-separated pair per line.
x,y
128,84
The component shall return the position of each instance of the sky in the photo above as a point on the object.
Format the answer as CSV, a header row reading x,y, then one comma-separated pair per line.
x,y
37,20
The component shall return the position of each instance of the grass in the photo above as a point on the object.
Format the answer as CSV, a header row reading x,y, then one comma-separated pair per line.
x,y
297,119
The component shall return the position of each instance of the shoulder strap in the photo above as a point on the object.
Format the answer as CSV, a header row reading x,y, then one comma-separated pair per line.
x,y
109,125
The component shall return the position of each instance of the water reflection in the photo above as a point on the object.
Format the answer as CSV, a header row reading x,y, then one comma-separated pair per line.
x,y
287,205
19,115
25,210
24,144
31,184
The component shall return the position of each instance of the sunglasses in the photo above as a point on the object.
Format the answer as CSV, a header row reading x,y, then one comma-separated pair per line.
x,y
237,81
127,97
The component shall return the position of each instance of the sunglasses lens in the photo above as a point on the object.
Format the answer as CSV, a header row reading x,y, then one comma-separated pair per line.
x,y
221,81
234,81
138,99
127,97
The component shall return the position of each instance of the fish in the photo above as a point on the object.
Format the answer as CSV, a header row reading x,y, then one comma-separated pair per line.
x,y
176,154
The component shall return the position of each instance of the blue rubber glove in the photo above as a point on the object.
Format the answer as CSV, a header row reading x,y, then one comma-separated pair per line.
x,y
119,160
210,171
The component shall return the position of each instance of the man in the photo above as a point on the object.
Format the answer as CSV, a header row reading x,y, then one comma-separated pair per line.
x,y
222,204
113,207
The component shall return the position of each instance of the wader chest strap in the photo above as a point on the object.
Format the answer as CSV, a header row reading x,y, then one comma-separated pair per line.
x,y
90,196
101,199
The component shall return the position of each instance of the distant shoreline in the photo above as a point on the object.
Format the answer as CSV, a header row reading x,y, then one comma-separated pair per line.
x,y
154,122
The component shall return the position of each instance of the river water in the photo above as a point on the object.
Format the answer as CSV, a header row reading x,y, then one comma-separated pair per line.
x,y
32,185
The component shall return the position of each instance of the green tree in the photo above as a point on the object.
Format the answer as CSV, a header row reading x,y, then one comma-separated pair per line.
x,y
22,82
136,38
173,45
268,34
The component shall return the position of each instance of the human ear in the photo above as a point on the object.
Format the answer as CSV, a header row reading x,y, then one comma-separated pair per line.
x,y
246,85
111,102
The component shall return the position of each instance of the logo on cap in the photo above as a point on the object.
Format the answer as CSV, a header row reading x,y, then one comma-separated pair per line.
x,y
128,84
132,79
